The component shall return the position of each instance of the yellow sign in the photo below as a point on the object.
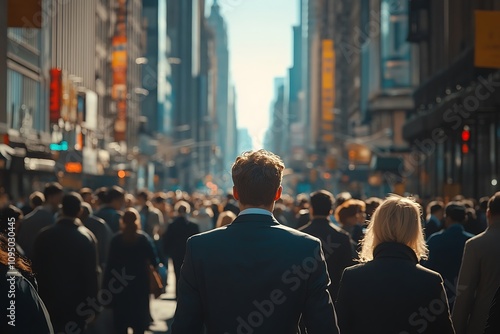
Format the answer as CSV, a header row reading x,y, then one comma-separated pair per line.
x,y
327,89
487,48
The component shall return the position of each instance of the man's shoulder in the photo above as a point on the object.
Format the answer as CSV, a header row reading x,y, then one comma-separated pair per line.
x,y
325,230
279,230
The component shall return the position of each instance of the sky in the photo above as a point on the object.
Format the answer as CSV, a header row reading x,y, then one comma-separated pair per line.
x,y
260,49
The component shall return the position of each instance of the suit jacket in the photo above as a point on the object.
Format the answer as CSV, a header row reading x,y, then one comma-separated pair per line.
x,y
175,238
66,266
254,276
493,323
477,281
337,247
31,225
392,294
111,217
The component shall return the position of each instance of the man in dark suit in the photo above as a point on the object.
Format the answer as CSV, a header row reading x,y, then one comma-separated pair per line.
x,y
40,218
254,275
335,242
174,239
67,270
112,202
447,247
435,210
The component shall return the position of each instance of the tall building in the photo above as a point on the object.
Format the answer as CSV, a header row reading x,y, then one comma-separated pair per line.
x,y
223,124
455,125
73,92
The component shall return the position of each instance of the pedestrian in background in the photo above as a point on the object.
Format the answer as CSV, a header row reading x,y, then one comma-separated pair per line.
x,y
41,217
387,292
336,242
113,201
174,240
446,248
131,253
67,269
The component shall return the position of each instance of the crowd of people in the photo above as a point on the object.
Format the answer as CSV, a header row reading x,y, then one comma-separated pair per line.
x,y
254,261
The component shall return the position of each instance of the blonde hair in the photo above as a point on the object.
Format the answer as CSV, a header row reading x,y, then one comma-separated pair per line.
x,y
225,218
397,219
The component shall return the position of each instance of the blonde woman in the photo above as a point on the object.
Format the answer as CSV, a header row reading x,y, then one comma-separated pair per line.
x,y
389,292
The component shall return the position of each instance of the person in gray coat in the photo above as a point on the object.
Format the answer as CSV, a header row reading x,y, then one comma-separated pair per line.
x,y
479,275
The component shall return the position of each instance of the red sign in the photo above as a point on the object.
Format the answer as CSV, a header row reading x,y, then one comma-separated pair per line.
x,y
55,94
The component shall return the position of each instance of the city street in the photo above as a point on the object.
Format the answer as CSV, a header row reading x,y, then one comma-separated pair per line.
x,y
163,308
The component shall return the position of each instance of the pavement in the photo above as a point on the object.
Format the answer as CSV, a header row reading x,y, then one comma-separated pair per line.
x,y
163,308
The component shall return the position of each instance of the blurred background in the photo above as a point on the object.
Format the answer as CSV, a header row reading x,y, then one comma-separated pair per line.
x,y
365,96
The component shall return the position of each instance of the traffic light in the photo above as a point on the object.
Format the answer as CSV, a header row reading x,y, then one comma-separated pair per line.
x,y
465,139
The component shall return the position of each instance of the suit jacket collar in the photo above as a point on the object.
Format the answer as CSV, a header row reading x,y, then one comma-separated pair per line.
x,y
255,220
394,250
320,221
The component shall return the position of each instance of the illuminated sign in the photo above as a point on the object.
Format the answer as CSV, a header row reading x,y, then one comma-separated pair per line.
x,y
62,146
327,90
55,97
73,167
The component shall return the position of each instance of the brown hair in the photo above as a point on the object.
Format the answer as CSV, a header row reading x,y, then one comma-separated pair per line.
x,y
349,209
257,176
130,224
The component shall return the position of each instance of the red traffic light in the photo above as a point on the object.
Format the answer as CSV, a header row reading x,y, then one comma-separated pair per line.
x,y
466,134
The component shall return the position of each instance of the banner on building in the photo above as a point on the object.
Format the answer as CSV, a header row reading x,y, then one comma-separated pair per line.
x,y
55,98
327,90
119,68
487,48
25,14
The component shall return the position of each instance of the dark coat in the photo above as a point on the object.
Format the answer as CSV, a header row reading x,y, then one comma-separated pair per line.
x,y
337,248
31,225
111,217
493,324
174,240
65,264
31,316
130,259
254,276
103,235
433,225
446,249
392,294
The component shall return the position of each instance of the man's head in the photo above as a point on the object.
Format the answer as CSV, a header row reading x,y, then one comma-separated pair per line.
x,y
72,205
116,197
53,194
257,178
36,199
182,208
321,203
86,211
142,197
87,195
493,212
454,213
436,208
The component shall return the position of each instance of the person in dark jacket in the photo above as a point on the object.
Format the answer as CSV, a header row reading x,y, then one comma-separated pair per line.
x,y
446,248
389,292
113,202
131,253
493,323
335,242
435,212
99,229
174,240
67,268
21,308
40,218
254,275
